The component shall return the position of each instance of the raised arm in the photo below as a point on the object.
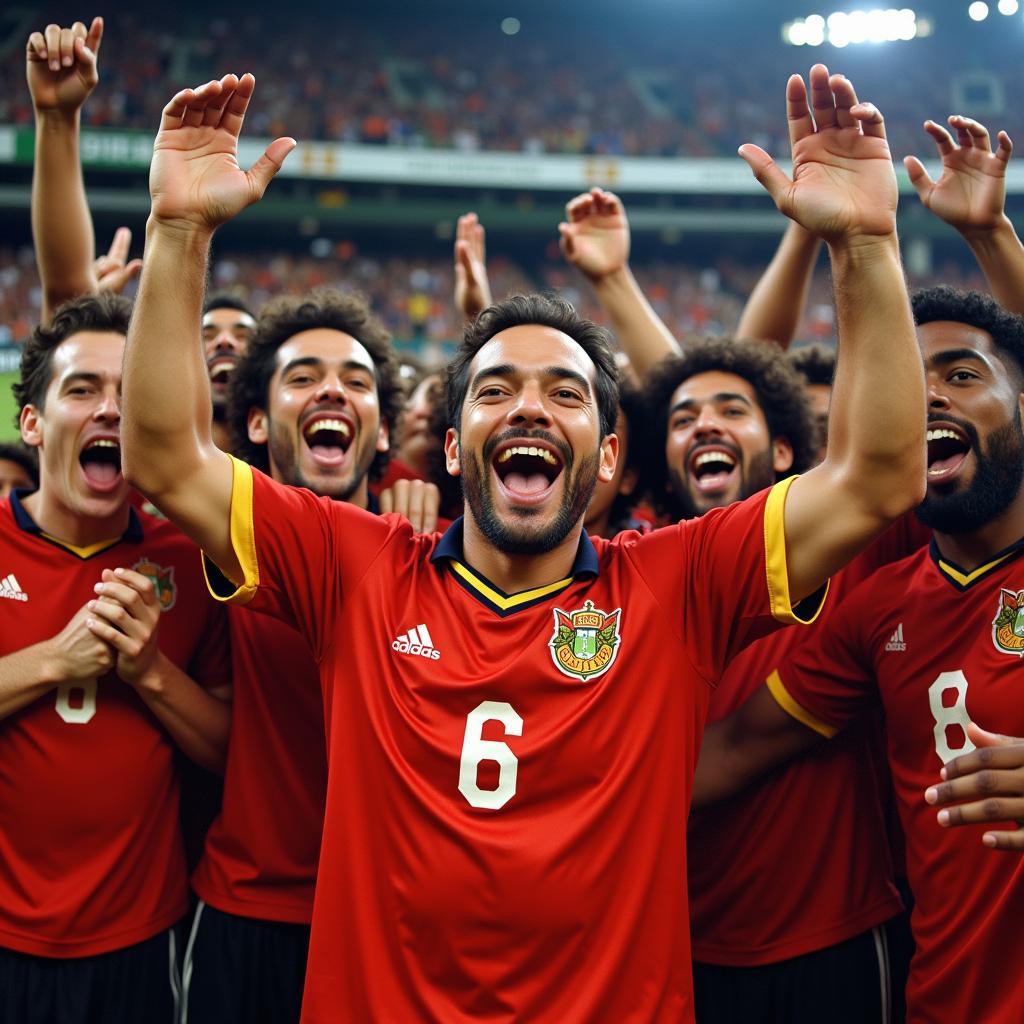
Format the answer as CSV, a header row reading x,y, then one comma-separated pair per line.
x,y
61,69
595,238
196,184
777,302
971,195
844,190
472,289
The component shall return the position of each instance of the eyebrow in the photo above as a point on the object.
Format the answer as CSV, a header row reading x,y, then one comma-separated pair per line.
x,y
718,399
83,376
317,363
506,370
956,355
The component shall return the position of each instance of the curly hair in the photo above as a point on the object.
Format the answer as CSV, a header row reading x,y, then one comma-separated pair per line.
x,y
283,318
977,310
225,300
546,310
103,311
816,362
778,387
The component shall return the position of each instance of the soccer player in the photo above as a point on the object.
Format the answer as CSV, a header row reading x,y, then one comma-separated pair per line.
x,y
228,326
315,399
513,710
935,640
111,656
730,418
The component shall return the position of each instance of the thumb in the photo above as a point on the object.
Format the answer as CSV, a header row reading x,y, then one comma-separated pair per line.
x,y
263,171
767,171
566,240
983,738
918,176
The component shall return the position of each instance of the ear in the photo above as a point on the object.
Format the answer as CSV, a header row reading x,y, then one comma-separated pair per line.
x,y
609,456
31,424
257,426
383,438
782,455
451,453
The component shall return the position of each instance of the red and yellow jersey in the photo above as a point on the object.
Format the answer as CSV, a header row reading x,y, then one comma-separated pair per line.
x,y
937,647
91,856
261,853
509,774
770,878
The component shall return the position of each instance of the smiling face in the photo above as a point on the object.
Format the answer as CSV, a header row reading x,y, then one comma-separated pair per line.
x,y
226,335
975,444
322,424
718,448
529,446
415,437
77,432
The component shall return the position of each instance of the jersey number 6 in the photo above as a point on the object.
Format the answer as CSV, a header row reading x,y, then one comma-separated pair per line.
x,y
476,749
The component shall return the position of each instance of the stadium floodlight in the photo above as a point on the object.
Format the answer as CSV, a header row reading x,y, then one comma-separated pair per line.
x,y
1008,7
845,28
510,26
978,11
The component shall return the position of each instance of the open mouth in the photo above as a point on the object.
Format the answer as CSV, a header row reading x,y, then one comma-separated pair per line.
x,y
220,370
947,451
328,439
101,464
527,472
712,469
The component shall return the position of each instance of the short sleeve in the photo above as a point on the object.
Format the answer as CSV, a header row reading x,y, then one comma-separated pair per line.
x,y
300,554
724,579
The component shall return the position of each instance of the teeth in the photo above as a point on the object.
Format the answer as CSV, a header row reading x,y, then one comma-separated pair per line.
x,y
102,443
340,426
934,435
714,457
537,453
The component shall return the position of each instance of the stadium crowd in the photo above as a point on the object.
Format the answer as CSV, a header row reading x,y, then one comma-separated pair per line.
x,y
629,673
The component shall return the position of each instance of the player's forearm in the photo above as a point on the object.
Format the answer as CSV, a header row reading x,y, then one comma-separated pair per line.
x,y
777,302
197,720
167,410
641,332
1001,257
25,676
61,224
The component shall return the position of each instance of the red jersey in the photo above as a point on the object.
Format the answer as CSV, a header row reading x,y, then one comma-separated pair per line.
x,y
937,647
261,853
91,856
504,834
838,873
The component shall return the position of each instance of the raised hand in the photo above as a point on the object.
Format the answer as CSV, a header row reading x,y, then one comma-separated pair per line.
x,y
60,65
126,614
77,653
472,289
971,191
417,500
595,233
195,179
843,187
114,270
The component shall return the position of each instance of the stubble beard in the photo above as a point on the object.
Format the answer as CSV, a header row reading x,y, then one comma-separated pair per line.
x,y
756,475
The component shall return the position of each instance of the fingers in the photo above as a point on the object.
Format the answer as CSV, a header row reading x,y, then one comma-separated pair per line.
x,y
95,36
918,176
970,133
823,100
983,738
993,808
121,641
1005,148
994,751
36,48
417,500
798,113
767,172
67,43
943,140
984,783
52,36
238,103
845,99
871,121
214,113
566,241
263,171
187,102
115,279
1005,840
119,247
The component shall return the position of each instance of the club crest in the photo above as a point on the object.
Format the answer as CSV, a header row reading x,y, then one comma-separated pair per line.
x,y
1008,625
586,641
163,580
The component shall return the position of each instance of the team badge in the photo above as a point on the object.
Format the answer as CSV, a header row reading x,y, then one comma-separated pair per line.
x,y
1008,625
586,641
163,580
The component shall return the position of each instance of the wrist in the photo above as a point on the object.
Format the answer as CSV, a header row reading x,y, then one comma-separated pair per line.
x,y
613,280
151,681
990,235
187,236
59,119
53,669
864,250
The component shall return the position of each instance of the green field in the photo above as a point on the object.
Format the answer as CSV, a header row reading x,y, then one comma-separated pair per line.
x,y
8,432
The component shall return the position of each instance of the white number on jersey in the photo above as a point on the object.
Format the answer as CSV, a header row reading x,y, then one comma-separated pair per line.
x,y
954,715
86,706
475,749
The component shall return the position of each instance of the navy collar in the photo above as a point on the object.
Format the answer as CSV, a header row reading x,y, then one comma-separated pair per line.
x,y
132,535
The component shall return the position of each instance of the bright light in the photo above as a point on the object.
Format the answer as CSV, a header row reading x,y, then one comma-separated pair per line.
x,y
842,28
796,33
978,11
510,26
1008,7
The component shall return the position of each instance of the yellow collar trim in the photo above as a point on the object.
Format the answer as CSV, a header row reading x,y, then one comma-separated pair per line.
x,y
86,552
500,600
965,579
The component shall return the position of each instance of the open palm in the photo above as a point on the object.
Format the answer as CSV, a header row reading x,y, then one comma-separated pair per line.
x,y
595,234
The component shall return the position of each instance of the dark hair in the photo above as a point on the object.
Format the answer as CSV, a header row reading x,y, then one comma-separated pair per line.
x,y
103,311
546,310
283,318
22,456
816,362
631,403
225,300
976,310
778,387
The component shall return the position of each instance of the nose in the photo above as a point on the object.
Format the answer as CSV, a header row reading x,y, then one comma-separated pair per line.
x,y
937,399
226,342
708,422
529,408
109,408
331,389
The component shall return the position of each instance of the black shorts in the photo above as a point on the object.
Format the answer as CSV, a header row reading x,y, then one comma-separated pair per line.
x,y
126,986
243,970
848,983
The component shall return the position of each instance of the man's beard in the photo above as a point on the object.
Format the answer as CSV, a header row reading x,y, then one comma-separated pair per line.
x,y
285,460
756,475
996,482
517,538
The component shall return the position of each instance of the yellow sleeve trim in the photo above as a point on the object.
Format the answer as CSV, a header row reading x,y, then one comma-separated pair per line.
x,y
243,542
775,563
785,701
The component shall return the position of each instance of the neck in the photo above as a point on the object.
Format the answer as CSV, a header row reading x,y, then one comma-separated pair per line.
x,y
515,573
600,526
970,550
72,527
221,433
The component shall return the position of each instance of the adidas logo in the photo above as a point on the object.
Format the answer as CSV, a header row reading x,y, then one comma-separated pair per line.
x,y
417,641
896,641
9,587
